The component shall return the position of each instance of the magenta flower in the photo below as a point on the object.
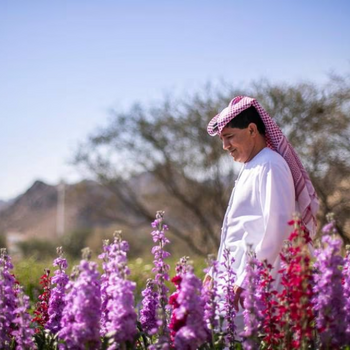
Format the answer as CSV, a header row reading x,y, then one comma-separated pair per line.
x,y
41,311
177,322
295,314
268,299
189,330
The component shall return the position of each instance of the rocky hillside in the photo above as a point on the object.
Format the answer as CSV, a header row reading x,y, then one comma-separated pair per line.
x,y
37,212
5,204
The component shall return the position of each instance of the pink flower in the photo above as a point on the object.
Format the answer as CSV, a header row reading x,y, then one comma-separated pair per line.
x,y
187,325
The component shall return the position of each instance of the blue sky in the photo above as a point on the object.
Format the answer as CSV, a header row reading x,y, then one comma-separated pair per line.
x,y
64,64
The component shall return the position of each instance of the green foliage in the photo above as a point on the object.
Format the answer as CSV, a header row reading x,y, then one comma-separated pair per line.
x,y
3,241
45,340
74,242
39,249
44,249
28,271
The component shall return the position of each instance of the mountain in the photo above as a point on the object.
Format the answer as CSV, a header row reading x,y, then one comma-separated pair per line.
x,y
87,205
3,205
35,212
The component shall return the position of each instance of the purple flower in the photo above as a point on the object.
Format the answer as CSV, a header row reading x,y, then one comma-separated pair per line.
x,y
121,321
329,302
329,228
210,297
60,261
104,285
118,319
23,332
8,299
58,293
253,306
15,321
346,286
162,344
227,280
80,323
161,270
190,308
148,313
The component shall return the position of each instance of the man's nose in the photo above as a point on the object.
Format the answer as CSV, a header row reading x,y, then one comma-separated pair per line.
x,y
225,145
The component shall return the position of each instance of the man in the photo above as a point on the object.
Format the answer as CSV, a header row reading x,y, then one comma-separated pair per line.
x,y
270,187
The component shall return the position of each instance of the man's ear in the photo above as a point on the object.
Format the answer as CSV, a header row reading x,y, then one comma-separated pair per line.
x,y
252,128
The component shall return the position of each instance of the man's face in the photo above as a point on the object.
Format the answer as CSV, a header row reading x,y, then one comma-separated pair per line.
x,y
239,143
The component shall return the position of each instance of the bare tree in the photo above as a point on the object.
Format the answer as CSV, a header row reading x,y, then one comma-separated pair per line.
x,y
194,177
190,174
316,121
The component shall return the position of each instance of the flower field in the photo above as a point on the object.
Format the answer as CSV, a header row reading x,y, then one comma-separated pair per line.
x,y
99,309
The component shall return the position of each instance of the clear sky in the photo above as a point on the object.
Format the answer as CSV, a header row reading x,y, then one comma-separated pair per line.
x,y
64,64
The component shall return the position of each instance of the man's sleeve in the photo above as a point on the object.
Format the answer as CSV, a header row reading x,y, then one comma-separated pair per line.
x,y
277,198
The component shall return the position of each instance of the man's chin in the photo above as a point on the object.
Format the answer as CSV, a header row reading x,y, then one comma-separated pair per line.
x,y
237,159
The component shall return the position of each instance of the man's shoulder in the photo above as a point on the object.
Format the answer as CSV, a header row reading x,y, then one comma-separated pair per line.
x,y
272,155
270,158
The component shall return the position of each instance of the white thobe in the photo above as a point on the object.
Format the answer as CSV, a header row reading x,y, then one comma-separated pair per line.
x,y
261,204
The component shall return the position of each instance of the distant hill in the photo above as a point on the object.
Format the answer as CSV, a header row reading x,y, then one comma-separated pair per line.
x,y
32,222
87,205
34,213
3,205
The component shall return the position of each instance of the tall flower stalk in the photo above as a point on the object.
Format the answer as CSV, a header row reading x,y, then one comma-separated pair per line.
x,y
118,311
346,286
210,298
177,320
228,278
253,305
41,311
23,333
295,309
161,271
57,298
81,315
148,313
8,299
271,334
329,302
104,285
189,330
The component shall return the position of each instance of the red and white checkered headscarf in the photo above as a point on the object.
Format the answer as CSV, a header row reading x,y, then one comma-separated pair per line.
x,y
304,191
